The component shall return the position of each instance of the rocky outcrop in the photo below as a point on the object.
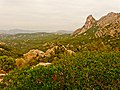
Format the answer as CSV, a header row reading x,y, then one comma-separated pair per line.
x,y
109,25
107,19
33,54
59,49
2,43
106,25
1,49
38,56
51,51
90,21
29,58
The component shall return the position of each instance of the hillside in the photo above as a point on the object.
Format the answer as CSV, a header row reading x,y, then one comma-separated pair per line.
x,y
87,60
108,25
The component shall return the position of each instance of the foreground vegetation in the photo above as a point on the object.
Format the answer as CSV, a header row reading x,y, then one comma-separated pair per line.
x,y
96,64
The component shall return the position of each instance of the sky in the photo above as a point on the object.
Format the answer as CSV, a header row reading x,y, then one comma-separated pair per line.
x,y
52,15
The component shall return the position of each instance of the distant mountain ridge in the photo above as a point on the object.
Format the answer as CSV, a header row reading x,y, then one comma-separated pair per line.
x,y
108,25
62,32
16,31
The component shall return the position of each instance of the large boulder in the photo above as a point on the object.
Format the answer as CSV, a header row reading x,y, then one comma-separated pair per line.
x,y
2,43
1,49
33,54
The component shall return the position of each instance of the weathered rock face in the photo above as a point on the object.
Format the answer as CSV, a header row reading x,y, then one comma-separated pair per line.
x,y
90,21
107,25
33,54
107,19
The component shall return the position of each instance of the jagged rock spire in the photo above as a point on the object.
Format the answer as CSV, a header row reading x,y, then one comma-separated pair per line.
x,y
90,21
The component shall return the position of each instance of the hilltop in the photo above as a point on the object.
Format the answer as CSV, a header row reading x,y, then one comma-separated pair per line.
x,y
108,25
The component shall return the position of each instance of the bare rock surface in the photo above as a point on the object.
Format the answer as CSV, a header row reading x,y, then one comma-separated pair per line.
x,y
33,54
90,21
107,25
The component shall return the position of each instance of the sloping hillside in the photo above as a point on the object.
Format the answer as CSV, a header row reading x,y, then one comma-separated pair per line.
x,y
108,25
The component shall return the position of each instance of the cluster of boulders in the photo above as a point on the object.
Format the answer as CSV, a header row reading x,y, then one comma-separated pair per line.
x,y
59,49
37,55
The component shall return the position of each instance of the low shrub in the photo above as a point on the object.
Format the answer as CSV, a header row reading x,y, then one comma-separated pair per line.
x,y
88,70
7,63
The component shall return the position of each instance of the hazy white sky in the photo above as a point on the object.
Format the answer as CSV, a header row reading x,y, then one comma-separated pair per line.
x,y
52,15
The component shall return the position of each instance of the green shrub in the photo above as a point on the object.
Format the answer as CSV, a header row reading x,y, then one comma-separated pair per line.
x,y
7,63
88,70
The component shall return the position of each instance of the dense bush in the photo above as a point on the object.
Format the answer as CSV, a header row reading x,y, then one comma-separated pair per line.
x,y
88,70
7,63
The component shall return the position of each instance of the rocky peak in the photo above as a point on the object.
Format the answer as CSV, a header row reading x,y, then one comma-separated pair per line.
x,y
90,21
109,18
106,25
111,13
